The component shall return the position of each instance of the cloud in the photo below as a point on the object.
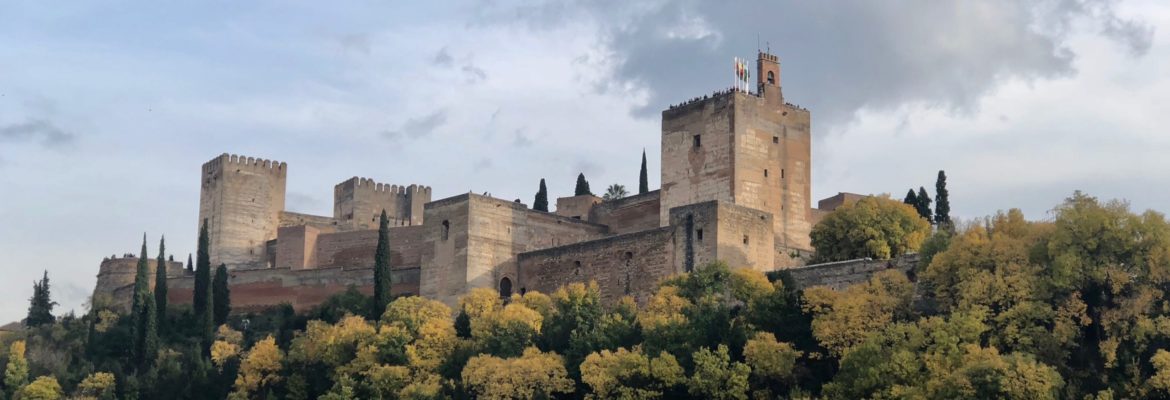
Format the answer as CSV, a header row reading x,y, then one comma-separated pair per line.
x,y
474,74
415,128
520,139
837,58
443,58
355,42
36,130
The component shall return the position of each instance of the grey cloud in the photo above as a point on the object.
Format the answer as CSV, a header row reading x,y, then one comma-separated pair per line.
x,y
443,58
587,167
482,164
355,42
837,57
415,128
474,74
36,130
302,202
520,139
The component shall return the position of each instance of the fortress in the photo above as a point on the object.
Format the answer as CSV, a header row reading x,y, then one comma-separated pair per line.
x,y
736,173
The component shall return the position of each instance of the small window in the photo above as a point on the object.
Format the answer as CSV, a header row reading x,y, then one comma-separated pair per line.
x,y
698,140
745,240
446,231
577,268
781,173
775,139
765,172
699,234
629,256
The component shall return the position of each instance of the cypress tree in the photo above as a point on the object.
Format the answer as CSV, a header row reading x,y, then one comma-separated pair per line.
x,y
160,284
942,202
221,295
149,344
911,199
143,313
582,186
924,204
643,179
40,307
202,273
541,201
382,268
190,265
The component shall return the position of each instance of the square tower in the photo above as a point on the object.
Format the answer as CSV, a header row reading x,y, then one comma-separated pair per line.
x,y
743,148
241,199
358,202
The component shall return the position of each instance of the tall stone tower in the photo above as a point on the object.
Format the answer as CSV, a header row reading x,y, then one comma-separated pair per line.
x,y
358,202
753,150
241,200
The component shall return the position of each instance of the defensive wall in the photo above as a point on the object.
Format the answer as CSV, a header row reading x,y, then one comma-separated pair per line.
x,y
842,274
358,203
116,275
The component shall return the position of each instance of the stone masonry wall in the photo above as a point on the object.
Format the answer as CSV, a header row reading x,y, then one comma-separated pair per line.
x,y
358,203
695,173
630,264
839,275
630,214
117,273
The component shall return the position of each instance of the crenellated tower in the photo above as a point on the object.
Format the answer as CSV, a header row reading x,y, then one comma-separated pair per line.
x,y
241,200
358,202
750,149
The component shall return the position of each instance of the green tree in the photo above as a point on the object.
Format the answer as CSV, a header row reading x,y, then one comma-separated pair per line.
x,y
643,179
382,267
540,203
717,377
942,202
874,227
614,192
190,265
911,199
202,291
582,186
144,313
16,373
160,284
924,204
97,386
221,296
40,307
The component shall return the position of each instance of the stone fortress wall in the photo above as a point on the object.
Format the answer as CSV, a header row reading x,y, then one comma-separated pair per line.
x,y
736,181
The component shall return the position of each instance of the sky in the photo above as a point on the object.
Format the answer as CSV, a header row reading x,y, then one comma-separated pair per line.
x,y
108,110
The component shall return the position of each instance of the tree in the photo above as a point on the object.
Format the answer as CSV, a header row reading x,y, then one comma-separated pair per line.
x,y
97,386
382,267
582,186
144,314
874,227
43,388
40,307
614,192
629,374
16,373
204,315
643,180
924,204
942,202
911,199
533,375
717,377
190,265
221,300
843,319
541,201
202,290
772,362
160,284
259,370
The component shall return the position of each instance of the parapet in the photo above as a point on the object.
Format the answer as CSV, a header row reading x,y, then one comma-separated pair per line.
x,y
226,161
367,185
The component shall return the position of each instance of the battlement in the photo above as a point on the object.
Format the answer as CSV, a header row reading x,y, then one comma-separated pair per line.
x,y
367,185
225,161
768,57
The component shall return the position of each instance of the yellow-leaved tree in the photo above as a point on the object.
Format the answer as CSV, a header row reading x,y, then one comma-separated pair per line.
x,y
259,370
532,375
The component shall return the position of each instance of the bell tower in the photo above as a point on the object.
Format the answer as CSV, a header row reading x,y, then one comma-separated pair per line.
x,y
768,78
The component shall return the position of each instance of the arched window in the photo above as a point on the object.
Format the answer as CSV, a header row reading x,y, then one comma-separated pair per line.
x,y
505,287
446,230
771,78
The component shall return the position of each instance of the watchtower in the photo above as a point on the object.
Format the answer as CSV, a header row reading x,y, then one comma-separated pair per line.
x,y
358,202
241,199
753,150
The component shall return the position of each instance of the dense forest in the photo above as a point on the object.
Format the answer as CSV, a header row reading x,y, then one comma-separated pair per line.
x,y
1071,307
